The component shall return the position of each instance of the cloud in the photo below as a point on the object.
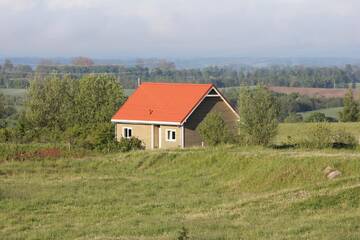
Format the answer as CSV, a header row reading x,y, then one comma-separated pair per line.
x,y
115,28
16,6
73,4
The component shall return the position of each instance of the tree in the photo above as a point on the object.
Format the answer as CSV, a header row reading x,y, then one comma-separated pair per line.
x,y
350,112
213,129
49,104
60,103
82,61
99,96
258,112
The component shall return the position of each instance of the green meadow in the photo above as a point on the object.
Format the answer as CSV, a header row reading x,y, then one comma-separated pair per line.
x,y
219,193
18,92
297,131
329,112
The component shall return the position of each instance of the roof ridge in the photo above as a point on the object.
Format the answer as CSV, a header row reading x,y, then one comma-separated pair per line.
x,y
175,83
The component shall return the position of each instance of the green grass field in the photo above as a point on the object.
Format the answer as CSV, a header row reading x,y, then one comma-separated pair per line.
x,y
300,130
329,112
219,193
13,91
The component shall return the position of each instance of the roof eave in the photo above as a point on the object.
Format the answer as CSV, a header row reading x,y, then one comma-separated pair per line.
x,y
145,122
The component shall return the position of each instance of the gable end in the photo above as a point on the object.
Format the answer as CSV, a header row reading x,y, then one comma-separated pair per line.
x,y
213,92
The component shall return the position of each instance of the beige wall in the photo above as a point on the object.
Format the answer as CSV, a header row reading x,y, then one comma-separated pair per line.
x,y
210,104
144,133
170,144
141,131
156,136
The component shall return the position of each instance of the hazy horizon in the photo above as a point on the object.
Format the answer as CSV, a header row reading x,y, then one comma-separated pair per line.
x,y
180,28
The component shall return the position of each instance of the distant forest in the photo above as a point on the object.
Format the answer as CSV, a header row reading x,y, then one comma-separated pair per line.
x,y
18,76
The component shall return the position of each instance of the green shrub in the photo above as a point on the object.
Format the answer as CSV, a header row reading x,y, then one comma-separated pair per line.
x,y
99,137
90,136
316,117
343,139
319,117
129,144
318,136
213,130
322,136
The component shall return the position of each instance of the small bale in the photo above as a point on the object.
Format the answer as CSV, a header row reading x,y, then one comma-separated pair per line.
x,y
334,174
328,170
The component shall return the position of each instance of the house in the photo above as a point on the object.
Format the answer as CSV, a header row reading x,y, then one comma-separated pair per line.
x,y
165,115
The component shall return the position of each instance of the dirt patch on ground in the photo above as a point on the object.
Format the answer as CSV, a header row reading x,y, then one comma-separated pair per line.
x,y
40,153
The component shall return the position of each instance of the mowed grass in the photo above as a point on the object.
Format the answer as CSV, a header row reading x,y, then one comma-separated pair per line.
x,y
329,112
219,193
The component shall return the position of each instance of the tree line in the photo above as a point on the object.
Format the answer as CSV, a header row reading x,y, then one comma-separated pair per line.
x,y
19,76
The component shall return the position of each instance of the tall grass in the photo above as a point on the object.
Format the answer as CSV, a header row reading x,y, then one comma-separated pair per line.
x,y
299,131
219,193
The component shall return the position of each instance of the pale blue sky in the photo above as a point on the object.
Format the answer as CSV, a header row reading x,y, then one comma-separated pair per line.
x,y
180,28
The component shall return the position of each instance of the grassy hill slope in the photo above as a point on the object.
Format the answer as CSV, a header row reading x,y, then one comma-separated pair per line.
x,y
221,193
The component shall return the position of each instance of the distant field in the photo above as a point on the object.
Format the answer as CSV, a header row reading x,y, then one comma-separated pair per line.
x,y
329,112
300,130
219,193
13,91
321,92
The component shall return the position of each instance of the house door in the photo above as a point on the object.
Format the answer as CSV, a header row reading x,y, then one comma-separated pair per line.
x,y
156,136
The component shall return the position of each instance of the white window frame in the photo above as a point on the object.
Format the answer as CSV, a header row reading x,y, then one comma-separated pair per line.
x,y
167,135
123,132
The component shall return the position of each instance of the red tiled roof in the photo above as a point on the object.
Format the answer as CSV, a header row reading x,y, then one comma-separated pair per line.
x,y
162,102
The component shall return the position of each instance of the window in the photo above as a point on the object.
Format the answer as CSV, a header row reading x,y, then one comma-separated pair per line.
x,y
127,132
170,135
